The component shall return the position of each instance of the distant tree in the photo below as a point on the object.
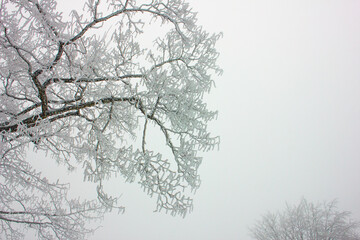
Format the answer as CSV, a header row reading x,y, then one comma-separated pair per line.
x,y
82,95
307,221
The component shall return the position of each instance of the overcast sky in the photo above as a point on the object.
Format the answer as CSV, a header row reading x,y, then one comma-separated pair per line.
x,y
289,114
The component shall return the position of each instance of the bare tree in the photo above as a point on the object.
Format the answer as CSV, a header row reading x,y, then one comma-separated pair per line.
x,y
307,221
82,95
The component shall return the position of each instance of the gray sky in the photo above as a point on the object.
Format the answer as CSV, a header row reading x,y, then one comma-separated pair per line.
x,y
289,114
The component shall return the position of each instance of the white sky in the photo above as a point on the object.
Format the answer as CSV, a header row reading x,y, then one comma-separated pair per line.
x,y
289,115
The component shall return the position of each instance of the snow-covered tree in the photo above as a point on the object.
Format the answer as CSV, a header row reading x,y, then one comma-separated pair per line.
x,y
307,221
82,88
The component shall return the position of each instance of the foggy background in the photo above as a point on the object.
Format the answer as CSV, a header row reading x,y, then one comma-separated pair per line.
x,y
289,114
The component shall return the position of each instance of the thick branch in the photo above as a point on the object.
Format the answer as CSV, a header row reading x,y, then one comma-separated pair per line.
x,y
89,80
63,113
41,91
24,221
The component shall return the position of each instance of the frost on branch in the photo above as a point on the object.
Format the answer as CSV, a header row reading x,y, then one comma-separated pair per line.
x,y
78,93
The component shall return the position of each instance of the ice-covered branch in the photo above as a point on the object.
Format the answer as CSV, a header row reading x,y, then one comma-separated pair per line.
x,y
85,96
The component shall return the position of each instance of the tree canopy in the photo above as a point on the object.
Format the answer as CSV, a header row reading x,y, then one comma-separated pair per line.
x,y
86,89
307,221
